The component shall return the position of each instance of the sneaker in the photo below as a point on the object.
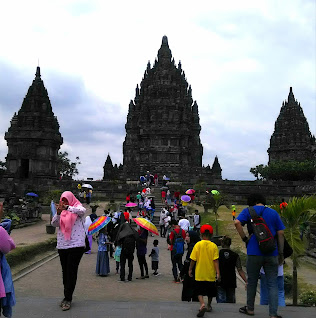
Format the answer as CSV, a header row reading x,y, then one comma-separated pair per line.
x,y
156,274
122,280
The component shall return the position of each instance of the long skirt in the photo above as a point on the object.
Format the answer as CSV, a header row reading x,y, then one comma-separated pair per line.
x,y
103,264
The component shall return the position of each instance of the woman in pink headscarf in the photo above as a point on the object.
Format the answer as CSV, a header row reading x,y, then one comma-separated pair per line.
x,y
70,242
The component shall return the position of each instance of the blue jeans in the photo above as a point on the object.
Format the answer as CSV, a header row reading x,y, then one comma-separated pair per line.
x,y
270,266
264,291
225,295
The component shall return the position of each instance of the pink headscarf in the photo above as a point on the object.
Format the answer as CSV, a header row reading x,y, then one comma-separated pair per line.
x,y
68,219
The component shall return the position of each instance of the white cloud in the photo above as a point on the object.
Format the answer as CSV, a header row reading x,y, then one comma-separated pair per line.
x,y
240,57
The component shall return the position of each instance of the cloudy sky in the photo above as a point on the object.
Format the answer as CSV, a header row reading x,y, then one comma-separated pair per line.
x,y
240,57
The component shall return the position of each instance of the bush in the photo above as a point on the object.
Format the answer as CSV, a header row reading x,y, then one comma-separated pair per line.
x,y
308,298
48,196
26,253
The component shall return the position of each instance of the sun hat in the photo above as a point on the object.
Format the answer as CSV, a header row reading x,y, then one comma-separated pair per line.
x,y
206,227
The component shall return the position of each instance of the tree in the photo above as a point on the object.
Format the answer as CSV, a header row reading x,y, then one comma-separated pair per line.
x,y
299,211
66,168
286,170
2,168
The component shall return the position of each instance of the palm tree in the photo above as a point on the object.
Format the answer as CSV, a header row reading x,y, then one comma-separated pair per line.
x,y
298,211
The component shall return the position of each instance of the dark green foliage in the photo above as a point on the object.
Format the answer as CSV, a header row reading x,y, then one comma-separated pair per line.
x,y
2,168
308,298
66,168
286,171
26,253
288,282
54,195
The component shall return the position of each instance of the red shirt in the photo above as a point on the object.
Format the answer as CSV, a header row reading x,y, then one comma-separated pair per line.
x,y
177,230
163,194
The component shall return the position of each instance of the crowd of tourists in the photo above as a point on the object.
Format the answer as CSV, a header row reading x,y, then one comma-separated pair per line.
x,y
205,271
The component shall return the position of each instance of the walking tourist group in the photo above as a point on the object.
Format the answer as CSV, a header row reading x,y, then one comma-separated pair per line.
x,y
206,269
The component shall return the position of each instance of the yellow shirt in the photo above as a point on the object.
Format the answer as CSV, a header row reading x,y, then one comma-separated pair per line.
x,y
204,253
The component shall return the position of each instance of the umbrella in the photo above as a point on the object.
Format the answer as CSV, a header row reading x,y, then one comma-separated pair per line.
x,y
214,192
142,179
147,225
185,198
98,224
86,185
164,188
130,205
53,208
190,191
32,194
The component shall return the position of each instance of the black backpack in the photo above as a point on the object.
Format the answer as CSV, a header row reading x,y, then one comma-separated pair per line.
x,y
262,232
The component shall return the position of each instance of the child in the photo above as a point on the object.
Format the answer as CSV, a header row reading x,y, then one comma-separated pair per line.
x,y
155,258
205,258
117,257
103,264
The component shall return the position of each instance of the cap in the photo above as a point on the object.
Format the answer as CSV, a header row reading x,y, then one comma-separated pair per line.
x,y
206,227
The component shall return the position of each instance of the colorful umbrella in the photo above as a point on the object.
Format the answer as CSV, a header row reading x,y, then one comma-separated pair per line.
x,y
147,225
98,224
32,194
190,191
185,198
130,205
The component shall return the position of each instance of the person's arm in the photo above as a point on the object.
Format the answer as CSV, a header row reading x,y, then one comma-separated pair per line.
x,y
218,274
79,210
280,235
6,242
240,231
240,270
192,263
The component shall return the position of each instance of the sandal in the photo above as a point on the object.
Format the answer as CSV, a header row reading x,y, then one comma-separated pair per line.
x,y
201,312
66,305
244,310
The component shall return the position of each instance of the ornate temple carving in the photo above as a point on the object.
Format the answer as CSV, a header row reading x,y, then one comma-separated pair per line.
x,y
163,125
291,139
33,138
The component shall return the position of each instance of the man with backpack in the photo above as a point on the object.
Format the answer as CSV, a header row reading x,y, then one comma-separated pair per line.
x,y
176,241
265,229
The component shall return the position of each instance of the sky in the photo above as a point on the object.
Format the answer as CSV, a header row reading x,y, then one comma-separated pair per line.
x,y
240,58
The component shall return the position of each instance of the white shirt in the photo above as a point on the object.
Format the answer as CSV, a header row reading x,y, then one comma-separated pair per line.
x,y
184,224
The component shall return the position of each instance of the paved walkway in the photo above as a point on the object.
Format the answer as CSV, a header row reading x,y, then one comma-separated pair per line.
x,y
39,293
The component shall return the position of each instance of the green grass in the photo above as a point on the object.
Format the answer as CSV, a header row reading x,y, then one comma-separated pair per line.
x,y
26,253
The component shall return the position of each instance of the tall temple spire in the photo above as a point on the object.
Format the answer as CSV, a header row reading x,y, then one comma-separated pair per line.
x,y
33,138
291,139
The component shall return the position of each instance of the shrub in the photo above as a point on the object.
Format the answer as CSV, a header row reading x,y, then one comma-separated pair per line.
x,y
48,196
308,298
26,253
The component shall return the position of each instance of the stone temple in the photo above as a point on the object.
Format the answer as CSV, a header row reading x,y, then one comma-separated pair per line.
x,y
163,126
33,138
291,139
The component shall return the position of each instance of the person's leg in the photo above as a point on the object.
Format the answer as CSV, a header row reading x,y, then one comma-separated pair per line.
x,y
263,290
146,267
140,259
90,243
122,264
254,263
230,295
270,266
221,295
174,266
73,259
63,257
179,262
130,267
281,297
201,300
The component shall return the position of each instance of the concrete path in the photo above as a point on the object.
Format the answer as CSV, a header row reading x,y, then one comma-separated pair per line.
x,y
39,293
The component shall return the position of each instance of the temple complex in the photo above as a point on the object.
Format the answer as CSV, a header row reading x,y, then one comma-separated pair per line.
x,y
33,138
163,125
291,139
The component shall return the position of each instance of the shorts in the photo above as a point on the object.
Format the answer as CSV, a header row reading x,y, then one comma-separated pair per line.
x,y
154,265
205,288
